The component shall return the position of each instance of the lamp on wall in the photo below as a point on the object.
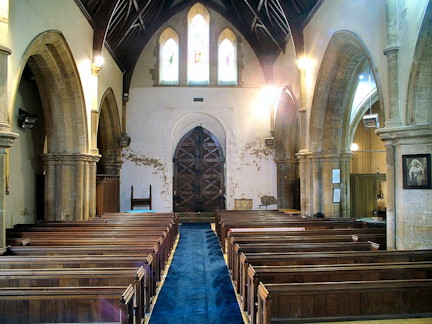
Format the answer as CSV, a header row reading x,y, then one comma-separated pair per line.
x,y
370,120
26,120
124,140
96,65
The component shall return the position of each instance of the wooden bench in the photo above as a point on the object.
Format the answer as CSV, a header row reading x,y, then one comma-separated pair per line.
x,y
294,247
329,273
67,305
327,258
134,201
343,301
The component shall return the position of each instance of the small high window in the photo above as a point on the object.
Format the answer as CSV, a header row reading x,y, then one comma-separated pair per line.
x,y
169,58
227,58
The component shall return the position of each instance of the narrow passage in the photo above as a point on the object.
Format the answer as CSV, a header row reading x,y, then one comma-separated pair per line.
x,y
197,288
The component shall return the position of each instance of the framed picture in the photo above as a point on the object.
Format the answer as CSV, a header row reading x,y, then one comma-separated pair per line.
x,y
416,171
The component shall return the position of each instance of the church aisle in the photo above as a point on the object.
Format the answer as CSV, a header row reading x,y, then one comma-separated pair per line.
x,y
197,288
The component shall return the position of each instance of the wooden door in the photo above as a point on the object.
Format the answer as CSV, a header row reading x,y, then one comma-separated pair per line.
x,y
199,173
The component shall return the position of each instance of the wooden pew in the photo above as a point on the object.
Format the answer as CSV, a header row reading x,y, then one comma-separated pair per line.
x,y
67,305
328,258
294,247
343,301
81,277
329,273
82,262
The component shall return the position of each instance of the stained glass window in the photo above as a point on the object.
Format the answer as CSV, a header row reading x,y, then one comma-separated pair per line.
x,y
198,46
227,58
169,57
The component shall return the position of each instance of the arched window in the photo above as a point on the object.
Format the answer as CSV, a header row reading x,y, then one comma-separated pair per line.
x,y
227,58
169,57
198,46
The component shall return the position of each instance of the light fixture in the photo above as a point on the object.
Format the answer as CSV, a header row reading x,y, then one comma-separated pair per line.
x,y
370,120
97,63
26,120
124,140
354,147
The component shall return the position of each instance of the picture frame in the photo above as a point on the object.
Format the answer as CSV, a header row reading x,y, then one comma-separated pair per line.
x,y
416,171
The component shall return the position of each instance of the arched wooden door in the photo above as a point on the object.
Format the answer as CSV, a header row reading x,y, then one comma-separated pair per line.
x,y
199,173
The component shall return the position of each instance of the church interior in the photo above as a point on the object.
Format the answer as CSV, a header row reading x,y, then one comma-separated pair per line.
x,y
262,141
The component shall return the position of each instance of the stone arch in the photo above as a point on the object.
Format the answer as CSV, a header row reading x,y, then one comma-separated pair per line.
x,y
190,121
58,81
345,57
286,145
70,170
108,135
329,127
419,89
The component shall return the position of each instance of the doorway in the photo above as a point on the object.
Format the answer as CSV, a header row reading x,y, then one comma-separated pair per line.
x,y
198,173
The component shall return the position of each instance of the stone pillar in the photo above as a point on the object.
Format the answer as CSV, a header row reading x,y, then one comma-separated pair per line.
x,y
70,186
409,211
7,138
287,184
316,171
345,172
305,184
392,53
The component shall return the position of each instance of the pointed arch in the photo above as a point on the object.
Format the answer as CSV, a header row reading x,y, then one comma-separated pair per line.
x,y
345,58
58,81
286,145
70,173
108,137
419,88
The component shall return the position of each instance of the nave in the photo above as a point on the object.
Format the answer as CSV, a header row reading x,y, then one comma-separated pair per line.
x,y
198,287
278,268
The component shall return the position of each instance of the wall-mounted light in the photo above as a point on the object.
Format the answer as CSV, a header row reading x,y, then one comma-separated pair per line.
x,y
354,147
26,120
125,140
97,63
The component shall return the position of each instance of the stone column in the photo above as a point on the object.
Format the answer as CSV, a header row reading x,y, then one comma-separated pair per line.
x,y
287,188
7,138
305,184
409,211
392,53
316,177
70,186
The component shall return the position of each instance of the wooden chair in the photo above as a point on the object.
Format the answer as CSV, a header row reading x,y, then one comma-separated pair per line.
x,y
141,201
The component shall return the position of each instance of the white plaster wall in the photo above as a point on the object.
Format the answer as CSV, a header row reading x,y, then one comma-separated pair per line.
x,y
285,71
155,113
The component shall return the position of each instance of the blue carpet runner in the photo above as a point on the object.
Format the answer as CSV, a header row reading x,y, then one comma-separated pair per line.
x,y
198,288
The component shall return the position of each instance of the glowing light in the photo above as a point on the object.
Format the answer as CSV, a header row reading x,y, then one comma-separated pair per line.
x,y
354,147
99,61
361,77
304,63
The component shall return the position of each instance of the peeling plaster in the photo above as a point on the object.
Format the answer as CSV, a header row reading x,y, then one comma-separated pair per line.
x,y
144,159
257,150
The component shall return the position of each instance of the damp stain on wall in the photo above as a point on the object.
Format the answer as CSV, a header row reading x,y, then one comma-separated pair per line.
x,y
142,159
256,152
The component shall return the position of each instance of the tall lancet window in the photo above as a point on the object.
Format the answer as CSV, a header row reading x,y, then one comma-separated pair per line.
x,y
227,58
169,57
198,46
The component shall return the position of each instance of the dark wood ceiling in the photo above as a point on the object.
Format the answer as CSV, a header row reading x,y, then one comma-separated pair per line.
x,y
125,26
